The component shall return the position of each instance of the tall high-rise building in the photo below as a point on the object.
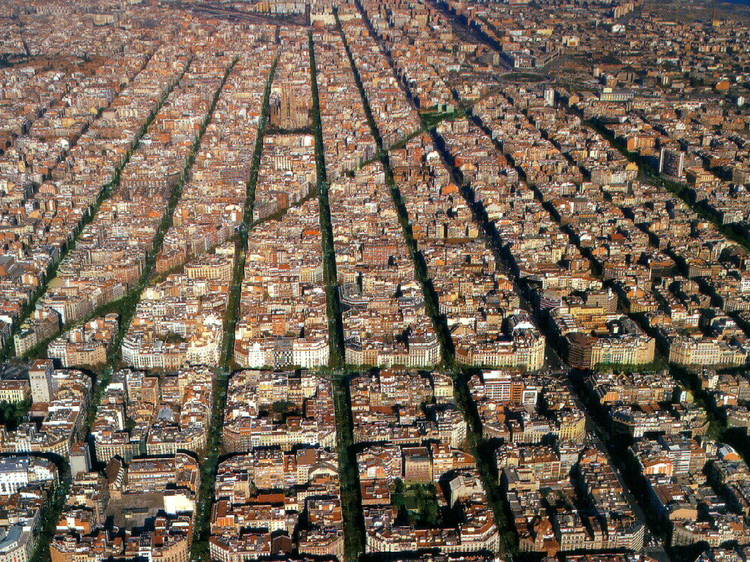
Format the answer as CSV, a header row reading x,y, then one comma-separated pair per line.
x,y
40,380
672,162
